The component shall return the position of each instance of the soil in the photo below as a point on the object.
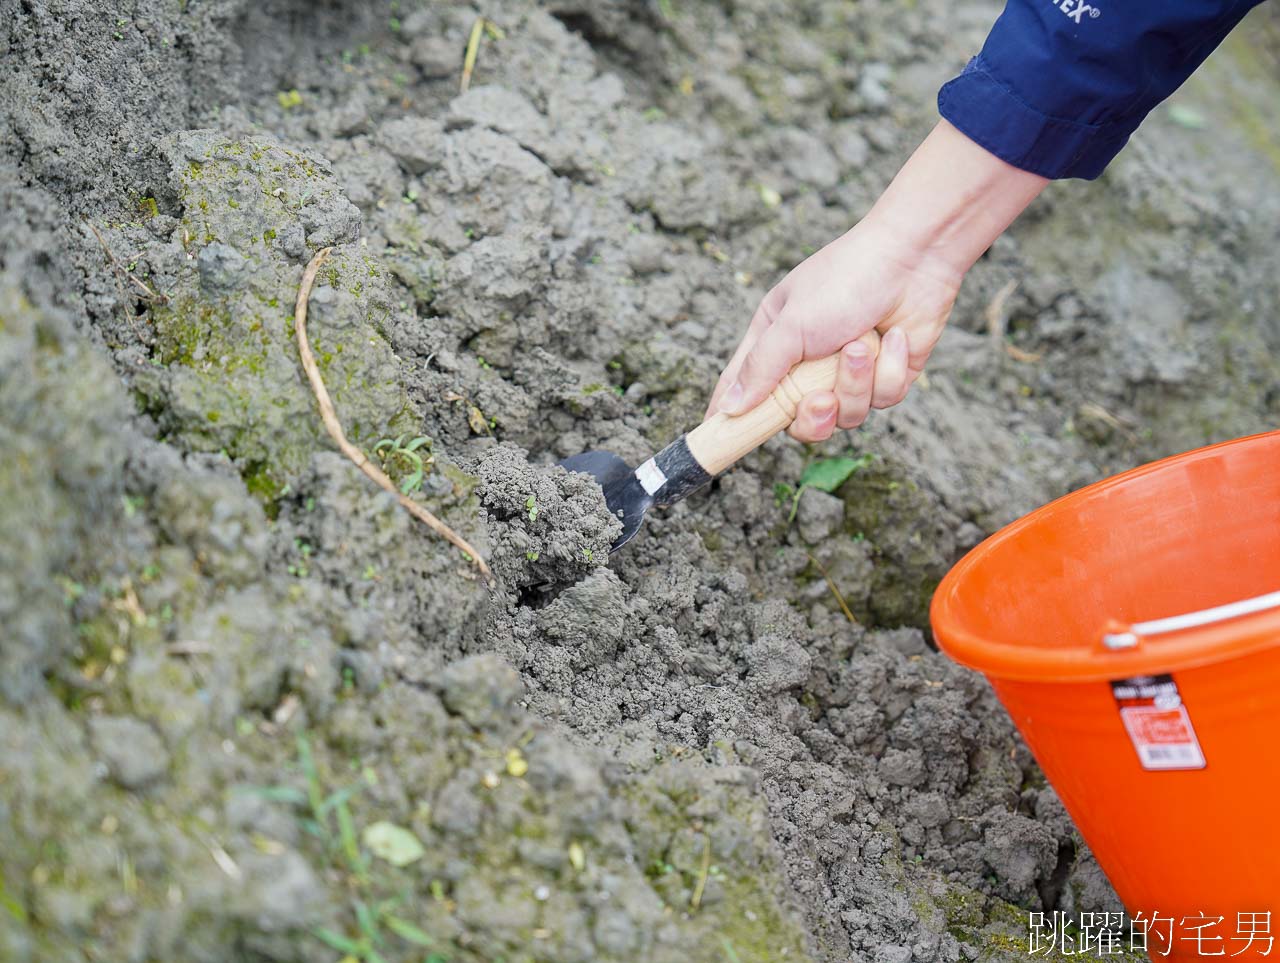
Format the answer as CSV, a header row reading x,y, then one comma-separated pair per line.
x,y
249,709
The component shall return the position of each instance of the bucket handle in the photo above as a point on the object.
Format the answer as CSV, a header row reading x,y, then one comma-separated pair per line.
x,y
1128,638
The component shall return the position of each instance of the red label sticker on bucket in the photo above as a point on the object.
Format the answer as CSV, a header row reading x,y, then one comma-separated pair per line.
x,y
1157,722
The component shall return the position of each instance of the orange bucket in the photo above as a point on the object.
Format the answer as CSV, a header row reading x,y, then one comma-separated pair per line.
x,y
1132,630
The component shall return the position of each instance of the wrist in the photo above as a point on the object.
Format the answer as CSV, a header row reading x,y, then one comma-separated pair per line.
x,y
950,201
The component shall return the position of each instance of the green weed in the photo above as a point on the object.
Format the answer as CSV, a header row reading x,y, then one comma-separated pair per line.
x,y
328,817
825,474
396,450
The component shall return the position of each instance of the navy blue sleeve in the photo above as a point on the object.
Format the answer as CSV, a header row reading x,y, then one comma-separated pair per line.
x,y
1061,84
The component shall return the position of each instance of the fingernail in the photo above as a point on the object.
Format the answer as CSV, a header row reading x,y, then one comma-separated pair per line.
x,y
857,355
897,335
824,413
732,399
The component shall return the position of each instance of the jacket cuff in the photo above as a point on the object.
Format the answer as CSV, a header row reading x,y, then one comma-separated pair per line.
x,y
992,115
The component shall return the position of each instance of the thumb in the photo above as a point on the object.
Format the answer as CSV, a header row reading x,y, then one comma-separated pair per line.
x,y
776,351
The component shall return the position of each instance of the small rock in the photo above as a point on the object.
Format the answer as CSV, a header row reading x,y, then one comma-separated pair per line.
x,y
457,811
1020,852
614,932
819,515
417,143
893,953
436,57
503,110
222,268
646,253
162,226
293,241
808,159
588,617
246,808
850,146
871,86
968,535
350,117
902,767
777,663
929,809
64,908
280,891
335,221
482,689
907,640
134,754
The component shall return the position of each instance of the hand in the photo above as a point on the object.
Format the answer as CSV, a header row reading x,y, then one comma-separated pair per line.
x,y
867,295
882,293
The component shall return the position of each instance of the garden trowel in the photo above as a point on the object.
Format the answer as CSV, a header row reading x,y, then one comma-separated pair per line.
x,y
695,458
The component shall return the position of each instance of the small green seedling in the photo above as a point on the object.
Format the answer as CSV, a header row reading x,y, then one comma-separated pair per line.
x,y
826,474
531,503
395,449
301,569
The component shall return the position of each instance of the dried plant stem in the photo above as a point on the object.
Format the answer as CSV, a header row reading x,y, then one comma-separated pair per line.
x,y
997,321
329,416
704,871
834,591
141,285
473,49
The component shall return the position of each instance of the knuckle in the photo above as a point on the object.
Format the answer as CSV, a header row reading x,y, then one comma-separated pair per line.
x,y
772,306
886,399
852,417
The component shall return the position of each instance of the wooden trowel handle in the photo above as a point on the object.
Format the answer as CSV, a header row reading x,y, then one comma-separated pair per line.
x,y
722,439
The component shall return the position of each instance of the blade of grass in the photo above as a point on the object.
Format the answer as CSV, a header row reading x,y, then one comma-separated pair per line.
x,y
795,503
341,797
16,909
285,794
350,844
368,925
315,792
338,942
407,931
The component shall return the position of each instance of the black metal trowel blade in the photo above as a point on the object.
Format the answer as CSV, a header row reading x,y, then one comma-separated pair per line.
x,y
623,493
670,475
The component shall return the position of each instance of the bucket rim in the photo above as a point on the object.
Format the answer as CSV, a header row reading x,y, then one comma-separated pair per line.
x,y
1091,661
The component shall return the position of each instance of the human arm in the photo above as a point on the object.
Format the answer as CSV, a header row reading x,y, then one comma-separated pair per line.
x,y
1055,92
895,274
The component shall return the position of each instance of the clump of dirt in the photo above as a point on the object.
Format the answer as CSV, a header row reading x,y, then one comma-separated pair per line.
x,y
249,708
553,526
